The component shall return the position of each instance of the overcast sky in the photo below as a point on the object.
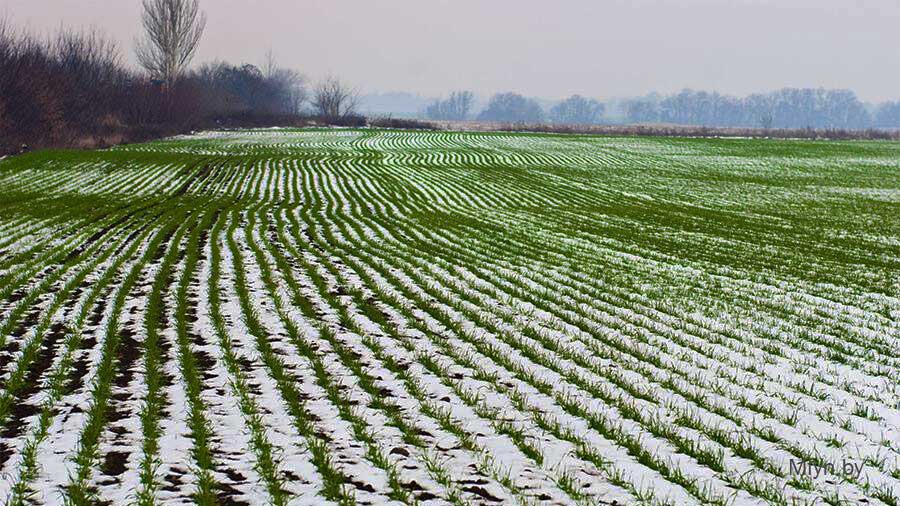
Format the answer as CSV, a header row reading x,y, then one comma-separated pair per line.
x,y
600,48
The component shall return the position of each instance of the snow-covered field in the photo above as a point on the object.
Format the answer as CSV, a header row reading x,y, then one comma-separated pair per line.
x,y
386,317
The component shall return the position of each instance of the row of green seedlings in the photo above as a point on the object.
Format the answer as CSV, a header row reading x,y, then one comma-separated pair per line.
x,y
301,418
72,221
267,464
392,411
201,432
527,451
426,330
516,436
616,297
78,269
205,463
443,415
743,448
16,174
818,394
154,401
64,216
409,432
80,491
34,278
26,176
677,215
145,176
582,313
808,388
712,457
81,261
19,239
882,441
759,407
215,180
331,205
437,470
332,477
58,382
589,239
845,348
546,387
885,391
347,356
522,288
362,431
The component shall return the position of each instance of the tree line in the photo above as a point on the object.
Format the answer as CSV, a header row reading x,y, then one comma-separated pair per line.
x,y
788,108
514,108
73,88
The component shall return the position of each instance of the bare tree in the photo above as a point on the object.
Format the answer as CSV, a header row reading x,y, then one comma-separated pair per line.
x,y
6,64
512,108
289,85
30,91
173,29
270,65
455,108
88,65
461,104
291,88
577,110
333,99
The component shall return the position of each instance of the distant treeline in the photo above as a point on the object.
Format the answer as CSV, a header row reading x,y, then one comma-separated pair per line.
x,y
514,108
785,108
789,108
73,90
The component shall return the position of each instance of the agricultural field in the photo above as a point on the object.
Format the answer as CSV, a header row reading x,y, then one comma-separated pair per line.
x,y
385,317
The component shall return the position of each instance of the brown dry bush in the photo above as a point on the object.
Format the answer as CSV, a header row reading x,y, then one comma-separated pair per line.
x,y
401,123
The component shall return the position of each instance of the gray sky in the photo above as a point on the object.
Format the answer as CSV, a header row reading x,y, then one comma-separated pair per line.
x,y
601,48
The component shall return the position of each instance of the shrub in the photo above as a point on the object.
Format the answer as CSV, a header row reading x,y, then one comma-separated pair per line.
x,y
403,124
